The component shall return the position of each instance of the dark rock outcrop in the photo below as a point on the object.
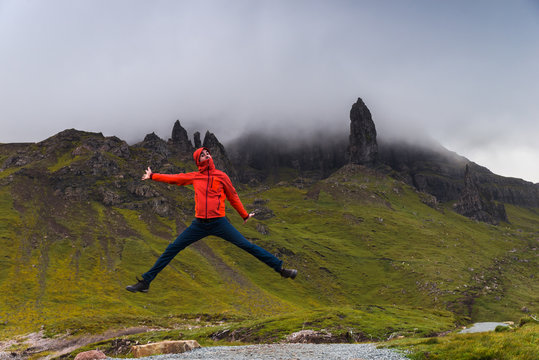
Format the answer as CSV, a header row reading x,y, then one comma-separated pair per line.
x,y
111,145
196,139
505,189
260,156
475,205
179,143
428,167
219,155
155,144
363,147
432,169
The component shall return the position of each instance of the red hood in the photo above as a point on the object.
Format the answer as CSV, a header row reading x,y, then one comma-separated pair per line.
x,y
204,165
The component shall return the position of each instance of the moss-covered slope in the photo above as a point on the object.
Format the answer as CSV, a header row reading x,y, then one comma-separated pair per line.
x,y
77,225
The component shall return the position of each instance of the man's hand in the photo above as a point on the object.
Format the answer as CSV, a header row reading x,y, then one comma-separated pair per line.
x,y
147,175
250,216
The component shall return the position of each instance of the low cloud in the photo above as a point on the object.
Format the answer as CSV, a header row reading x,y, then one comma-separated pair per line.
x,y
462,73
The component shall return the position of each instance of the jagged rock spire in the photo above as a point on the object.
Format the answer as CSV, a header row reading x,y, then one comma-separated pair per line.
x,y
363,147
219,155
179,141
196,138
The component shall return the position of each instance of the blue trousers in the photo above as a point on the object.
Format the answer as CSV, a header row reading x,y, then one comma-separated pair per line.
x,y
219,227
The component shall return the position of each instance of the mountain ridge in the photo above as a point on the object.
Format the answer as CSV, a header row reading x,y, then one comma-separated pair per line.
x,y
77,224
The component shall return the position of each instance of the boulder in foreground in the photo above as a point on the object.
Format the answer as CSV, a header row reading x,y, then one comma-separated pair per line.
x,y
90,355
164,347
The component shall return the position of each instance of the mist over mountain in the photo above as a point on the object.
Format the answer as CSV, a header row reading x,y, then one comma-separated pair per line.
x,y
310,155
259,155
421,162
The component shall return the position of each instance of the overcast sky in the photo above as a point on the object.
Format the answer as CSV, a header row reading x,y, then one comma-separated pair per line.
x,y
464,72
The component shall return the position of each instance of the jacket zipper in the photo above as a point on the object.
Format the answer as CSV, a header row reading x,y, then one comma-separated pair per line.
x,y
207,191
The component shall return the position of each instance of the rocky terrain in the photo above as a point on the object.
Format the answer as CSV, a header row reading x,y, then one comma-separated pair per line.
x,y
256,158
367,223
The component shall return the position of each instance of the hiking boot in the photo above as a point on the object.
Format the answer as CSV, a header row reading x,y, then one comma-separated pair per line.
x,y
288,273
141,286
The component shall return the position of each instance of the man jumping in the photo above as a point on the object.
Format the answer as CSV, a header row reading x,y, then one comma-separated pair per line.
x,y
212,186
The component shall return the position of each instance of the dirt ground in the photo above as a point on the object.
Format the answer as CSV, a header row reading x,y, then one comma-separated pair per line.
x,y
25,346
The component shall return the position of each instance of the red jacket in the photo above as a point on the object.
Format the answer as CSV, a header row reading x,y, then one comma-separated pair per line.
x,y
212,186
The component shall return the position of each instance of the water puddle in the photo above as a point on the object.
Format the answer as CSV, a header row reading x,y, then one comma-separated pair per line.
x,y
482,327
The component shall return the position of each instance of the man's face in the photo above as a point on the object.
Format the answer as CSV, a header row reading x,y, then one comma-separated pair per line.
x,y
204,155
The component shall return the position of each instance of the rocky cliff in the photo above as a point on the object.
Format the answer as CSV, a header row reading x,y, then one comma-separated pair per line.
x,y
315,155
426,165
179,147
83,166
74,209
435,170
474,204
259,156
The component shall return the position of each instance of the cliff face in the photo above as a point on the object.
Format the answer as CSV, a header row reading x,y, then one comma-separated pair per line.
x,y
430,168
427,166
316,155
259,156
440,172
505,189
475,205
83,166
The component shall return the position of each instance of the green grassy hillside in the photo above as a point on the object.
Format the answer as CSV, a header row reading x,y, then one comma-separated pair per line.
x,y
73,234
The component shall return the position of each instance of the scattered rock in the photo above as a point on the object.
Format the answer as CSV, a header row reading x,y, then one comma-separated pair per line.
x,y
17,160
325,337
157,145
313,193
81,150
142,190
109,197
263,213
90,355
310,337
165,347
102,166
160,206
429,200
395,335
261,228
